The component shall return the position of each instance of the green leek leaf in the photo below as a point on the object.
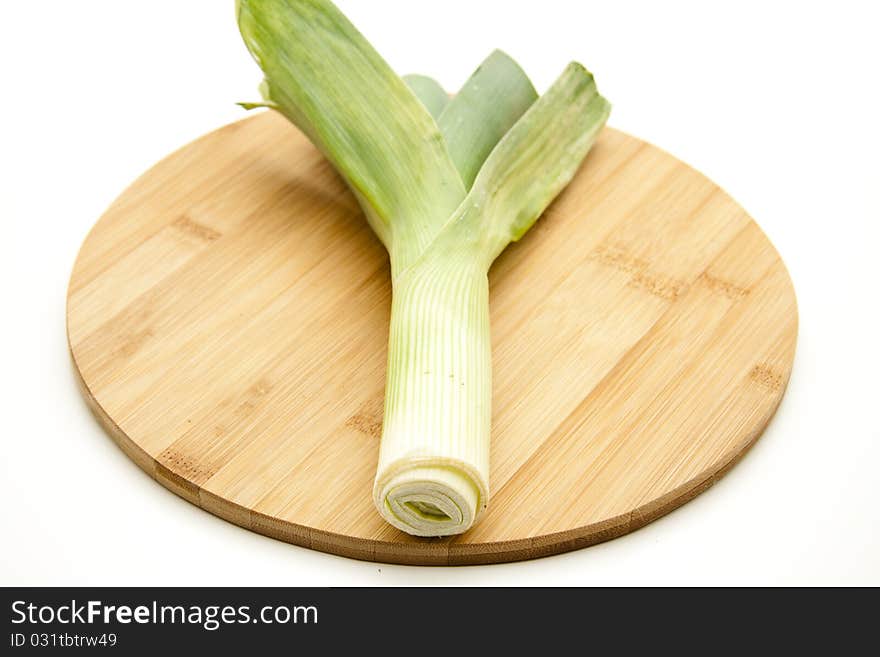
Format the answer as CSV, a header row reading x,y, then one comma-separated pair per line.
x,y
428,90
489,104
329,81
534,162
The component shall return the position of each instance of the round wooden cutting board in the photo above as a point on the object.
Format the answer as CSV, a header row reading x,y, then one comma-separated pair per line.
x,y
228,318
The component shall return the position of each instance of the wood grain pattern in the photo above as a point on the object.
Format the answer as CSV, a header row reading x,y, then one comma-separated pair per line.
x,y
228,319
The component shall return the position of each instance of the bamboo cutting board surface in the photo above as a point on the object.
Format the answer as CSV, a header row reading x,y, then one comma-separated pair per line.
x,y
228,319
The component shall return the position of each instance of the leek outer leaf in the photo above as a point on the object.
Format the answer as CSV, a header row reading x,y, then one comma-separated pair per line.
x,y
433,472
328,80
428,90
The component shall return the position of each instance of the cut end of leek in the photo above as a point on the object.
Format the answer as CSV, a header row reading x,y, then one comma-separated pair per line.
x,y
430,500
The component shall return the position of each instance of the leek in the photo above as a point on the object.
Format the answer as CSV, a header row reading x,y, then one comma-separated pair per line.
x,y
446,186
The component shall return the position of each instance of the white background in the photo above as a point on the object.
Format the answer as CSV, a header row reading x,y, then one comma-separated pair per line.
x,y
777,102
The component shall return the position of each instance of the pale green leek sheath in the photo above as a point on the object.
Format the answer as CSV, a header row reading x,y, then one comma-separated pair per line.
x,y
446,185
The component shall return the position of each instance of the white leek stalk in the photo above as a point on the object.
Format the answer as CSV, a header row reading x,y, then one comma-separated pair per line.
x,y
446,187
